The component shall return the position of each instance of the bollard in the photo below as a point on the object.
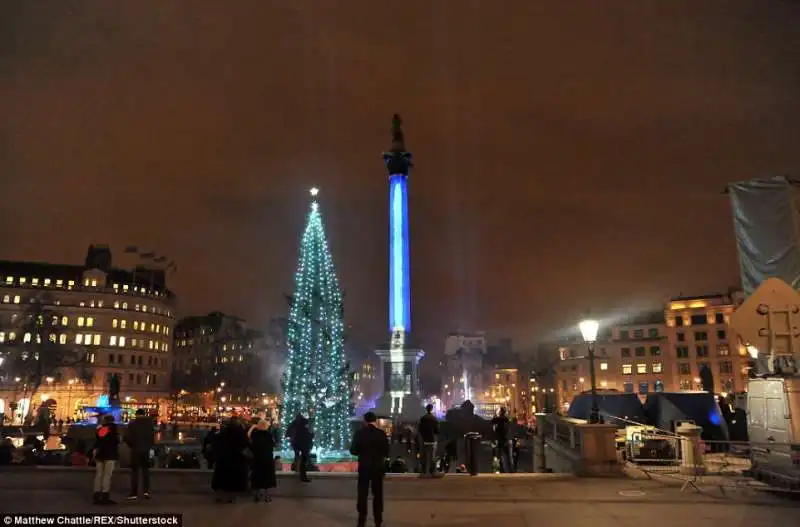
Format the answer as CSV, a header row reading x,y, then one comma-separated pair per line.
x,y
691,450
472,440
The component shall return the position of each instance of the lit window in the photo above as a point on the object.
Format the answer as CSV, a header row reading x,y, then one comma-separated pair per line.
x,y
112,340
34,281
122,341
116,304
641,368
62,339
52,337
59,283
124,305
46,281
150,344
22,280
96,339
16,299
89,322
12,336
79,338
81,322
94,282
125,287
153,329
144,309
2,336
99,303
158,328
603,366
657,367
9,279
114,323
86,282
138,307
627,369
135,324
26,337
123,324
7,299
133,343
64,321
70,284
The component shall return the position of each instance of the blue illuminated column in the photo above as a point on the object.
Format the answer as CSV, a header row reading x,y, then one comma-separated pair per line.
x,y
400,359
399,272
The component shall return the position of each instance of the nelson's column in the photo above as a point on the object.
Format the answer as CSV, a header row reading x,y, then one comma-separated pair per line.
x,y
400,359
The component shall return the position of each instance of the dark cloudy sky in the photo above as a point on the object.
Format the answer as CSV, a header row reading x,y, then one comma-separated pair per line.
x,y
570,155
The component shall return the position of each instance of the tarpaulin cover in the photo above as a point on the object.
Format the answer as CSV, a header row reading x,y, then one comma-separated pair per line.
x,y
766,221
624,405
664,409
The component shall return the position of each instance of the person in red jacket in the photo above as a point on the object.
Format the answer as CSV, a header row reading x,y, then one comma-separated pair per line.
x,y
106,456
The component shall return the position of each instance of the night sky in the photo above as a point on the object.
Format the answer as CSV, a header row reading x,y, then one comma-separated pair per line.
x,y
569,155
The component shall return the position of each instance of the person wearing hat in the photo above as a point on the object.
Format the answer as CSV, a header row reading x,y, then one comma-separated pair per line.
x,y
371,446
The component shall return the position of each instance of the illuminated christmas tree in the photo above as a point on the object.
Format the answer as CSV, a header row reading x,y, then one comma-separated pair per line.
x,y
316,382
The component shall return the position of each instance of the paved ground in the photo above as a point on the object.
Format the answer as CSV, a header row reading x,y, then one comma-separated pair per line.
x,y
455,501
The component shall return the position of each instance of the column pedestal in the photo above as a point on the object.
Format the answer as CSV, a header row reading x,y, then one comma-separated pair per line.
x,y
400,398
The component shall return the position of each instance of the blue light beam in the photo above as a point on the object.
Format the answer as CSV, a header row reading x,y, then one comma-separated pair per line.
x,y
399,279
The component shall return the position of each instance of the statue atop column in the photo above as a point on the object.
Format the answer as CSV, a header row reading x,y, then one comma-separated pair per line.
x,y
398,160
398,139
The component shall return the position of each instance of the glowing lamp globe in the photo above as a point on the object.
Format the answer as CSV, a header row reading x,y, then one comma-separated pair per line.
x,y
589,329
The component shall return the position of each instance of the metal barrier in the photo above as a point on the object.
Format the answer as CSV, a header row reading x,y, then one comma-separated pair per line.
x,y
720,464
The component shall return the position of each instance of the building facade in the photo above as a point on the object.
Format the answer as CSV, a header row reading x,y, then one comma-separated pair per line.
x,y
65,330
463,368
219,358
661,351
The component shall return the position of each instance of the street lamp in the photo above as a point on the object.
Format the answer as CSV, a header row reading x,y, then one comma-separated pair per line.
x,y
589,329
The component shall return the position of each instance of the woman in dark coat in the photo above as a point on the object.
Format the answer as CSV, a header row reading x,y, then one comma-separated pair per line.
x,y
262,475
230,470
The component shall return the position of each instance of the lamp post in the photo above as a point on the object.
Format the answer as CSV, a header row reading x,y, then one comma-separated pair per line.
x,y
589,329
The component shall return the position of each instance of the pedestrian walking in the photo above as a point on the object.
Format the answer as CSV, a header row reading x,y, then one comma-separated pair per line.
x,y
139,437
230,470
106,456
371,446
501,426
428,432
301,439
262,468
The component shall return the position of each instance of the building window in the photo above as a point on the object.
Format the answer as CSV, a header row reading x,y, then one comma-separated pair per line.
x,y
719,318
624,335
725,366
627,369
62,339
641,368
701,350
658,386
681,336
79,338
7,299
638,333
700,335
644,387
626,352
603,365
112,340
89,322
64,321
678,321
699,320
686,384
26,337
684,368
114,323
96,339
655,351
16,299
122,341
123,323
682,352
721,334
657,367
628,387
640,351
111,358
81,322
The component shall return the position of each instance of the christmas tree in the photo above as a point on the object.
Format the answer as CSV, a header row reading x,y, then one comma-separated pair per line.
x,y
316,382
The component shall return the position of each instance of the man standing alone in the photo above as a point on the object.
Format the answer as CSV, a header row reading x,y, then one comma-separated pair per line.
x,y
371,446
140,438
428,430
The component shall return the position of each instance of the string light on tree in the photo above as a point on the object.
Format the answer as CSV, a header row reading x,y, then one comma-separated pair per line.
x,y
316,382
